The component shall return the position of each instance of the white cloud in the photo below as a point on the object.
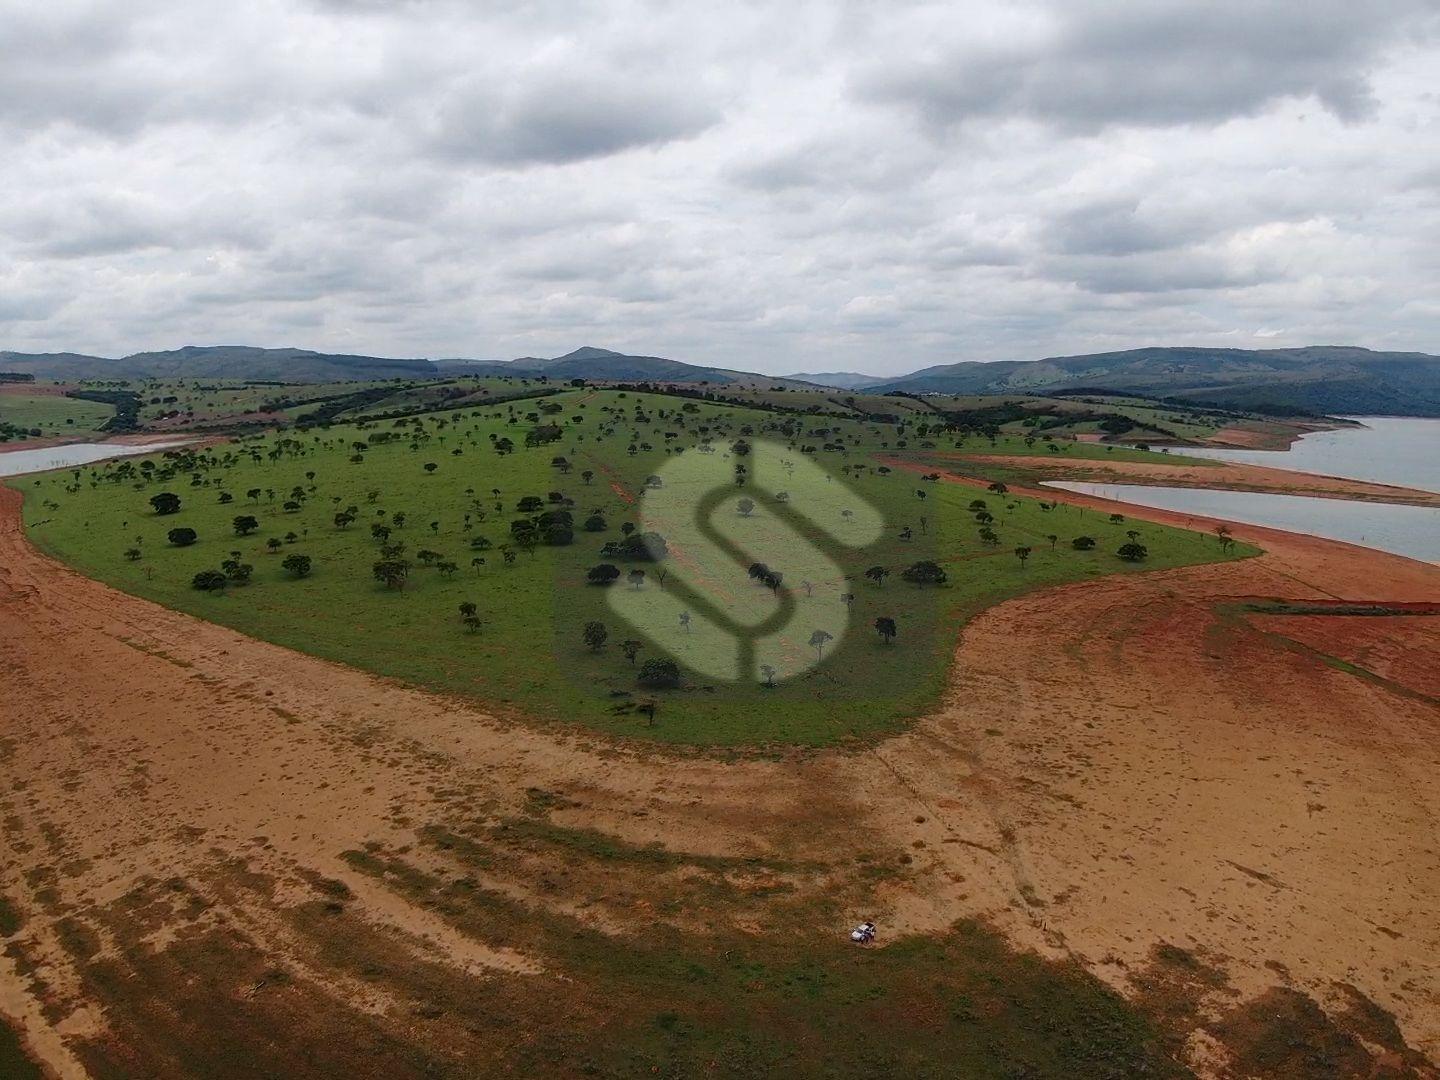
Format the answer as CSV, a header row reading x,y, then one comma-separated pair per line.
x,y
814,185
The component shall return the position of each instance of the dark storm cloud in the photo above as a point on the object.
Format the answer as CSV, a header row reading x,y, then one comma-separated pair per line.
x,y
1085,66
563,118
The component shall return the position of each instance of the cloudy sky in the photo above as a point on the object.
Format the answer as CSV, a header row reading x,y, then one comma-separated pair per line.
x,y
872,186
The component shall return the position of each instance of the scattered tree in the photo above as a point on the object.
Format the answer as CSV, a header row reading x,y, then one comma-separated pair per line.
x,y
818,641
391,572
660,672
297,564
181,537
925,572
209,581
604,574
165,503
595,634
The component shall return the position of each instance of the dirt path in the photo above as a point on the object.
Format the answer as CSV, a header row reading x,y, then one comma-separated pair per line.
x,y
1117,764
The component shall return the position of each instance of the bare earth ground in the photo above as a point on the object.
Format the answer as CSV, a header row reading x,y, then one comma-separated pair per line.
x,y
1118,765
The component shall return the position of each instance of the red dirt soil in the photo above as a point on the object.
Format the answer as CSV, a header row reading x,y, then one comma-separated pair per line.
x,y
1116,764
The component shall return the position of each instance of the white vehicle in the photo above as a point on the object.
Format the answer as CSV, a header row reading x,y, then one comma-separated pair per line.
x,y
864,933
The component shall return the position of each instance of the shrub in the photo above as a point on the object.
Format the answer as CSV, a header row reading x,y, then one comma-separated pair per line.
x,y
660,672
1133,552
1083,543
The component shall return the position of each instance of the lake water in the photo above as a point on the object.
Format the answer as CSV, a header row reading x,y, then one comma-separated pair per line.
x,y
1387,450
20,462
1413,531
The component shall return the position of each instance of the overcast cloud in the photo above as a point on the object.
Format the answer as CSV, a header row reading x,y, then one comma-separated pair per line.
x,y
786,187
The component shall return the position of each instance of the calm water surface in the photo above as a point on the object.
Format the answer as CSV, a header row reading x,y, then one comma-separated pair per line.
x,y
1387,450
1413,531
20,462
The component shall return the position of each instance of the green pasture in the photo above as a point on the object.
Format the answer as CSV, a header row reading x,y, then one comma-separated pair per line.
x,y
52,414
528,653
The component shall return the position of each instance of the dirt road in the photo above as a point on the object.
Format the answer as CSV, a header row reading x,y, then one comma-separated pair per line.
x,y
1118,764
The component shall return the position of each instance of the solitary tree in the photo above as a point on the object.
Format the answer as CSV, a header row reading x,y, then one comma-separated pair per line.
x,y
1083,543
245,524
181,537
768,672
745,506
467,607
165,503
1022,553
1052,538
297,564
636,578
595,634
132,553
631,648
604,574
925,572
818,641
1133,552
685,621
660,672
877,574
885,627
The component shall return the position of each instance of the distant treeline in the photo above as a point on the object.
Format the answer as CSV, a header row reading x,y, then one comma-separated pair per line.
x,y
125,402
16,376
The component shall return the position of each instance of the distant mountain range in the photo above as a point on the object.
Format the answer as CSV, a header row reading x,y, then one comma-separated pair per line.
x,y
1320,379
589,362
216,362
